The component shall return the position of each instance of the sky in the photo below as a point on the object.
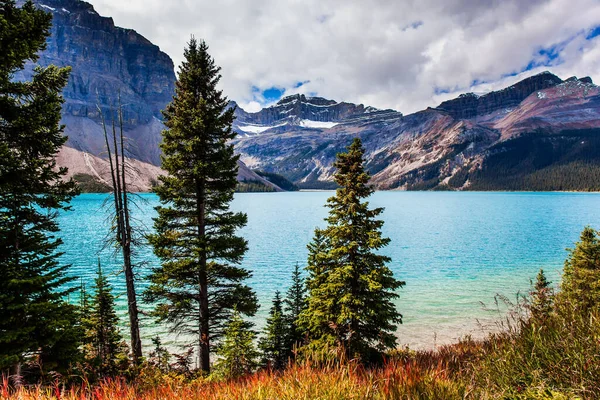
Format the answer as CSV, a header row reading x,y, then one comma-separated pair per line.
x,y
400,54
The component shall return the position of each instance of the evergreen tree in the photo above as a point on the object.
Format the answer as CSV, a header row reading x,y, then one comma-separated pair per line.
x,y
581,279
351,290
35,319
541,298
295,303
103,339
238,356
274,344
200,279
160,356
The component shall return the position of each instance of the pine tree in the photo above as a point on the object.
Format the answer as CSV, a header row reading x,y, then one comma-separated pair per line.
x,y
581,279
238,356
541,298
35,319
274,344
200,280
103,339
351,290
295,303
160,356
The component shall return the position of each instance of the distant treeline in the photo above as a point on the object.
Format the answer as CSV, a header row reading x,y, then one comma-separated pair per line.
x,y
536,161
89,184
569,160
278,180
253,186
317,185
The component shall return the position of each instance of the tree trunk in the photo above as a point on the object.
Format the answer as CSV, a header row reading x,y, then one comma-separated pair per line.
x,y
17,378
136,342
204,337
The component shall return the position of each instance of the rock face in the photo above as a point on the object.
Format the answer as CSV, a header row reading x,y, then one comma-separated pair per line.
x,y
470,105
143,175
445,147
107,62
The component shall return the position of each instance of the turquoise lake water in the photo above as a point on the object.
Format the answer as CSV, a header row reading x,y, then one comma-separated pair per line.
x,y
455,250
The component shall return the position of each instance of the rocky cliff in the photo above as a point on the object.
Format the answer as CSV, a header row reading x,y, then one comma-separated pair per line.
x,y
107,62
470,105
93,173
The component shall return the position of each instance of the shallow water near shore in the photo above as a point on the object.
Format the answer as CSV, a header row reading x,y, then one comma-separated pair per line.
x,y
455,250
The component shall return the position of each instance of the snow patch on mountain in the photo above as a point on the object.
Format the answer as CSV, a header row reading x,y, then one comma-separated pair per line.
x,y
257,128
307,123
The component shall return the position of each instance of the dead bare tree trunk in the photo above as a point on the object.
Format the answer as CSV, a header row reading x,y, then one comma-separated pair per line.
x,y
136,341
118,170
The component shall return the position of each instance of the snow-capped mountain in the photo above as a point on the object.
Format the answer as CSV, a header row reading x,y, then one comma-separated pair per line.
x,y
541,133
306,113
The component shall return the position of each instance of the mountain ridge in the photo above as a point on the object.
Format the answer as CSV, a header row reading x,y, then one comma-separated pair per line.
x,y
299,136
433,144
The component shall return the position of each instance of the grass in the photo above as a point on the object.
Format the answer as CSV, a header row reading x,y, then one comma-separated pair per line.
x,y
557,357
556,362
397,380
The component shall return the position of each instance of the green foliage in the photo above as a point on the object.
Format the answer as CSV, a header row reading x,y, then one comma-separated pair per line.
x,y
274,343
278,180
36,323
89,184
252,186
238,356
103,343
317,185
555,352
580,286
159,357
541,299
200,280
351,290
295,304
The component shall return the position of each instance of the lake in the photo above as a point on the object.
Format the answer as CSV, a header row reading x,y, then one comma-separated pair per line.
x,y
455,250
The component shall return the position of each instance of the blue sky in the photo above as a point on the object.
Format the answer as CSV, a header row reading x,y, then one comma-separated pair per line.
x,y
406,54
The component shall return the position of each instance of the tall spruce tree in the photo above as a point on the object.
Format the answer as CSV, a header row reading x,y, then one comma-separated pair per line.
x,y
295,303
274,343
351,290
200,280
35,319
103,341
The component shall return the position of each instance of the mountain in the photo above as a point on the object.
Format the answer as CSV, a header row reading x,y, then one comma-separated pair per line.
x,y
108,63
540,133
471,142
302,113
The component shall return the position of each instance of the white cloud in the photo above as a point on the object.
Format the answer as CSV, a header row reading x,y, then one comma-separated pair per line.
x,y
388,54
252,106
